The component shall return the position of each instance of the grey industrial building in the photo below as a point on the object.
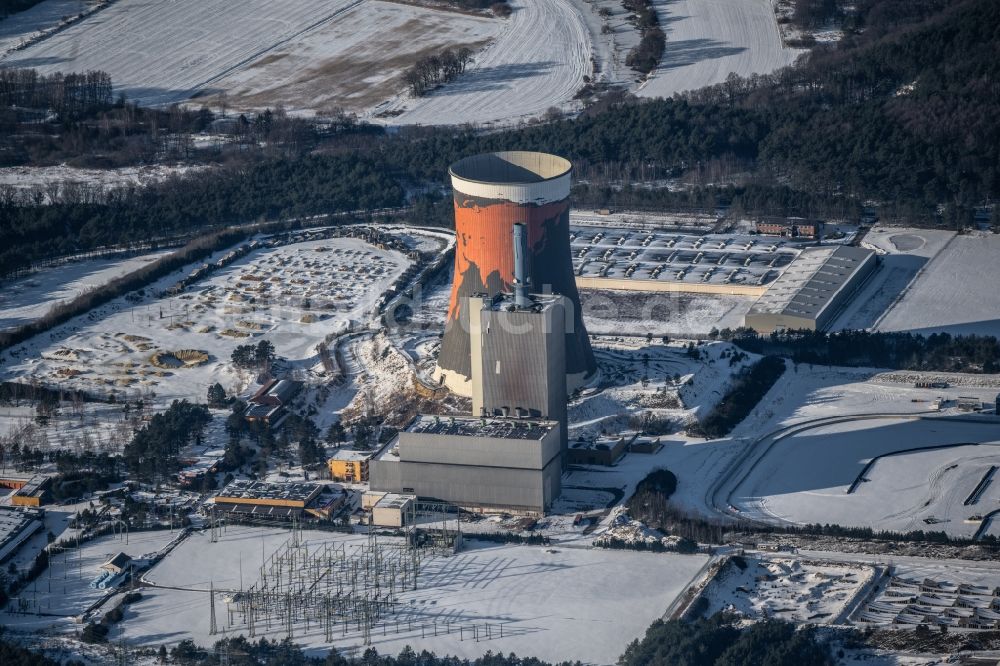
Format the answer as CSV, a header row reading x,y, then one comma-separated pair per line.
x,y
518,357
509,454
494,464
812,290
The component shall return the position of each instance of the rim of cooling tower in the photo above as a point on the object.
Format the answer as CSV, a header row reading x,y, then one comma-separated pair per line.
x,y
511,167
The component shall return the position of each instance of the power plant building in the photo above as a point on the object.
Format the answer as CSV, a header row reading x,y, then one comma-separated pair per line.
x,y
500,464
514,342
518,357
813,289
492,192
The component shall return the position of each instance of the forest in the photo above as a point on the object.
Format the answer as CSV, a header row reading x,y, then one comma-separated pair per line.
x,y
152,453
868,349
268,190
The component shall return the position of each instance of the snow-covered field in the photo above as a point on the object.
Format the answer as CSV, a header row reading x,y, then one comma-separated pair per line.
x,y
28,298
64,590
707,40
317,56
805,477
95,427
955,292
537,61
355,62
293,296
22,26
554,603
804,394
300,52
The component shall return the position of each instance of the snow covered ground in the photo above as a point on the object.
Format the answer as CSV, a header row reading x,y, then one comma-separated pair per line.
x,y
355,62
804,394
788,589
28,298
159,53
22,26
805,477
46,180
639,378
64,590
955,292
95,427
293,296
537,61
707,40
607,312
554,603
316,56
612,36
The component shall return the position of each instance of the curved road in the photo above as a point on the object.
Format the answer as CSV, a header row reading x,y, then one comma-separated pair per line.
x,y
719,494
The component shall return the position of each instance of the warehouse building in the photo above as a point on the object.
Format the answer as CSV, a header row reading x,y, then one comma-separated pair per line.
x,y
793,227
504,464
243,499
29,491
16,527
812,290
269,404
389,509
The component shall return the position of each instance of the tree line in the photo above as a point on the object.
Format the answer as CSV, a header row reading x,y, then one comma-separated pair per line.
x,y
748,388
69,95
938,352
646,55
433,70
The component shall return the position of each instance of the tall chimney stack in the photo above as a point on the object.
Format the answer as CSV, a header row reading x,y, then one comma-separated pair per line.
x,y
521,266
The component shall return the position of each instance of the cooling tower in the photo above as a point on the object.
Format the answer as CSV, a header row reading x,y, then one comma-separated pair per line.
x,y
492,192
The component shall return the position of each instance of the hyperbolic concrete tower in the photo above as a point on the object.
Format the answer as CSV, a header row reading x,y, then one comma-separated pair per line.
x,y
493,191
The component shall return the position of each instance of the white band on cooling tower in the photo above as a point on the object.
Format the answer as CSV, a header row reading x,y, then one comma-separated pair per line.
x,y
545,192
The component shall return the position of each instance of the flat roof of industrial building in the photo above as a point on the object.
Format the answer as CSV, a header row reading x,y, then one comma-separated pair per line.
x,y
671,256
810,283
34,486
509,428
16,526
394,501
243,489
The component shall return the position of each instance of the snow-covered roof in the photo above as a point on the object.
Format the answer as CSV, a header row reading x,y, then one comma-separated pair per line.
x,y
811,282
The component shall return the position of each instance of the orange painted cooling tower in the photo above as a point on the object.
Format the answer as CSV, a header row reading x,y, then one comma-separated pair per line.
x,y
492,192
